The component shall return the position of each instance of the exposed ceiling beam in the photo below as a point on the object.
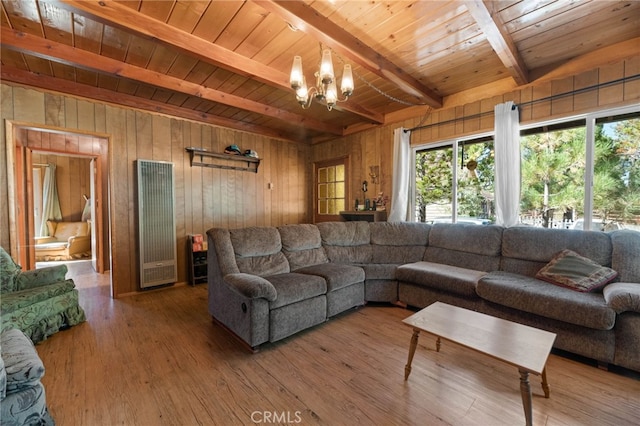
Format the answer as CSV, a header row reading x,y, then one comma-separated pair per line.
x,y
308,20
117,15
499,39
68,55
85,91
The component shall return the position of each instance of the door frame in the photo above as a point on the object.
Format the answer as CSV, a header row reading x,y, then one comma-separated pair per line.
x,y
20,188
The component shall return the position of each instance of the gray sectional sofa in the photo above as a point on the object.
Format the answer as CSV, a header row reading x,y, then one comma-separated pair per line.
x,y
268,283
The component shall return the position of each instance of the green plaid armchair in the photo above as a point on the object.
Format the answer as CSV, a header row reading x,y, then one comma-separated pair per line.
x,y
38,302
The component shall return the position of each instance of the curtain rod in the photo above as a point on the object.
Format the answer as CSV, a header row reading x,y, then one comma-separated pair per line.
x,y
535,101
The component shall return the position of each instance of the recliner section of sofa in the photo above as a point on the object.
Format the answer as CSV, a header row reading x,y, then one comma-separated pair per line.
x,y
38,302
268,283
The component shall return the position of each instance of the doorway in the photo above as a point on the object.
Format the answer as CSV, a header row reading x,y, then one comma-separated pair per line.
x,y
31,142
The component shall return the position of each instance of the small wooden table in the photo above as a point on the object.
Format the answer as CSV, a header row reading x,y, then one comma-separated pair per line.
x,y
524,347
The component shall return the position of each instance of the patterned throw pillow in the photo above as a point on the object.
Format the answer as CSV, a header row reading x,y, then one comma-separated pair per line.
x,y
569,269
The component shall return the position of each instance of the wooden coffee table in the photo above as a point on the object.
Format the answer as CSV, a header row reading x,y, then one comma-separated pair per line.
x,y
524,347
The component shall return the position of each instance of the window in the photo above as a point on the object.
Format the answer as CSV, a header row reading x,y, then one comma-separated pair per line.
x,y
437,199
552,170
616,174
580,173
331,193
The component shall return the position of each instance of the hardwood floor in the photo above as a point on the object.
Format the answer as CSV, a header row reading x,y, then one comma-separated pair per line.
x,y
157,359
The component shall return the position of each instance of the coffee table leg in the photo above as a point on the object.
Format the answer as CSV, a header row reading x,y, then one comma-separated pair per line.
x,y
545,384
412,351
525,390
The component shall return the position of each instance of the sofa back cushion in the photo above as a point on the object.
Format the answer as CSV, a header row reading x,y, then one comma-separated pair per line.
x,y
346,242
302,245
625,255
398,242
525,250
258,251
465,245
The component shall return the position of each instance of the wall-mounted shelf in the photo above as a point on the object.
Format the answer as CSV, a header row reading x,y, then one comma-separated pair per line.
x,y
203,158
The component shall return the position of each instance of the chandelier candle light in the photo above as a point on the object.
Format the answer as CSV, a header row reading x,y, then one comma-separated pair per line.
x,y
325,88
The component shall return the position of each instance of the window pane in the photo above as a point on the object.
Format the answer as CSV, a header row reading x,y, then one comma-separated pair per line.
x,y
339,190
331,174
332,190
616,176
434,184
332,206
553,164
340,173
322,207
322,190
322,175
475,182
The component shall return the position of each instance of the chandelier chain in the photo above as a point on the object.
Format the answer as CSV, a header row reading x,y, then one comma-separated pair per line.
x,y
380,91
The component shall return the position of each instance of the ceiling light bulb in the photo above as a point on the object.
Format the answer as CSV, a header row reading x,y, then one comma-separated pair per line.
x,y
326,67
302,93
331,95
346,87
296,79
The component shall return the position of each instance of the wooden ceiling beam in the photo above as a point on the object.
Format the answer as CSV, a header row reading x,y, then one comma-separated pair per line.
x,y
308,20
499,39
84,91
115,14
68,55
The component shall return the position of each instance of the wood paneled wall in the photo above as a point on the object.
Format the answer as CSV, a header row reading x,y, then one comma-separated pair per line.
x,y
72,179
224,198
205,197
375,147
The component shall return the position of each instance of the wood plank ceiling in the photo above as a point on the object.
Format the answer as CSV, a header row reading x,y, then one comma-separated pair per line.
x,y
228,62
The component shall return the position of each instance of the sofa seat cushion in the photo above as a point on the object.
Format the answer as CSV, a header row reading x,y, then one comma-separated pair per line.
x,y
57,245
22,364
380,271
12,302
337,275
548,300
442,277
294,287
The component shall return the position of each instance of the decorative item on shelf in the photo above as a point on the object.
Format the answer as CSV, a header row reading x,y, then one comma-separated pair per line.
x,y
233,150
381,201
357,204
367,204
325,89
374,172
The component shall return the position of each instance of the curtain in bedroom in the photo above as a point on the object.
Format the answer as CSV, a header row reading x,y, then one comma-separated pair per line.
x,y
507,164
401,173
50,200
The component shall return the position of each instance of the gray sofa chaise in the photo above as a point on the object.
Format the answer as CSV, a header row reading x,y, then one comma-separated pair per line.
x,y
268,283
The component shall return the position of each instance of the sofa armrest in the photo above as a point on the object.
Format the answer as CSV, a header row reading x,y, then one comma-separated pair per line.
x,y
40,277
45,240
79,244
22,365
623,297
251,286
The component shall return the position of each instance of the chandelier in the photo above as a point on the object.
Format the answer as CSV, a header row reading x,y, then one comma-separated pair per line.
x,y
325,88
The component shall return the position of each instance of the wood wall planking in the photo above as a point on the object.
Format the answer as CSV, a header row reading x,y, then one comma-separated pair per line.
x,y
205,197
375,146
